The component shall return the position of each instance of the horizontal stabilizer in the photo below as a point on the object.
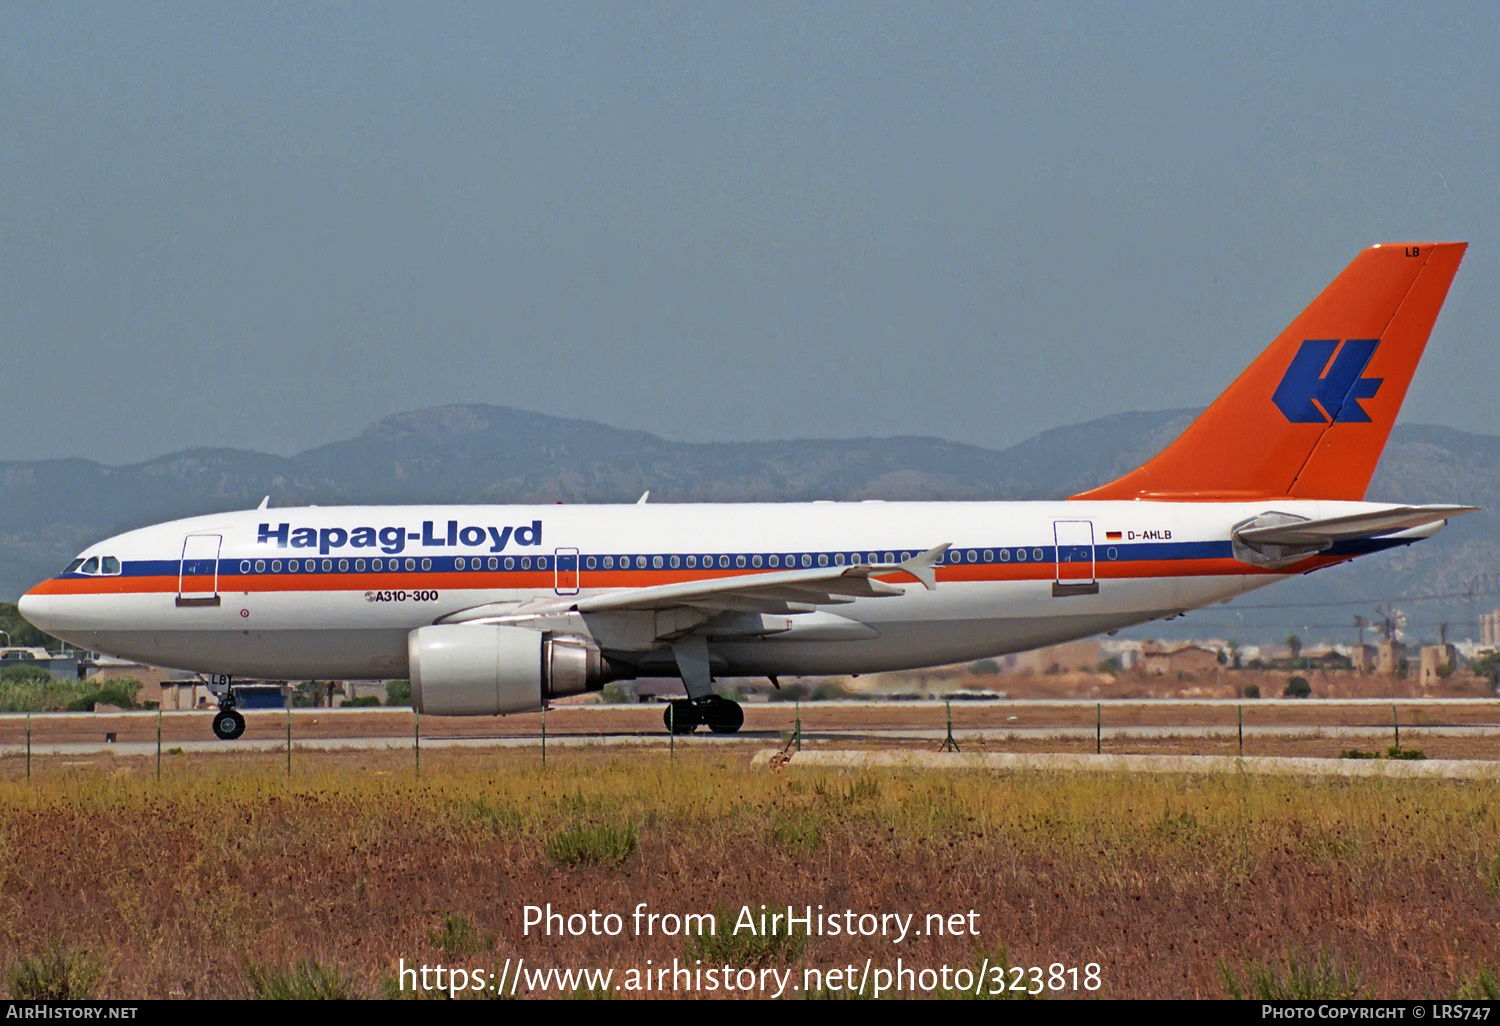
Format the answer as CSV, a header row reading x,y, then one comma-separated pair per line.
x,y
1351,528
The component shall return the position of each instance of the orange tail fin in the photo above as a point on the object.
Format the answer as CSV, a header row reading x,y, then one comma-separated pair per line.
x,y
1309,418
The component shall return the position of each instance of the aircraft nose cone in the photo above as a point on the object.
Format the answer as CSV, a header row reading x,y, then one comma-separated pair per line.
x,y
36,609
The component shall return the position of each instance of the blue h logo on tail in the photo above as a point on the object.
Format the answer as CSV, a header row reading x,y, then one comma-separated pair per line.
x,y
1315,391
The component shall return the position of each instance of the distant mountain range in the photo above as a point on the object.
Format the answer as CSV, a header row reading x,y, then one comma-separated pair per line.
x,y
50,509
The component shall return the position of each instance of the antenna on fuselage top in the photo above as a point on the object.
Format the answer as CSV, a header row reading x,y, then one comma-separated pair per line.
x,y
264,502
644,496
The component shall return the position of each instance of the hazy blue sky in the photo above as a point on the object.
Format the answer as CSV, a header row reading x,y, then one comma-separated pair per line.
x,y
267,225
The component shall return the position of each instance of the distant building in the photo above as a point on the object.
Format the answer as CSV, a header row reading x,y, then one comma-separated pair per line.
x,y
1159,659
1435,659
1389,655
1064,658
1363,658
58,665
1489,629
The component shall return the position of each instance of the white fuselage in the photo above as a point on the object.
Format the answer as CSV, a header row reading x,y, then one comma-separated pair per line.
x,y
333,592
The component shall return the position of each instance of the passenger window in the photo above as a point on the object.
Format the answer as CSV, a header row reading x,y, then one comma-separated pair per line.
x,y
510,562
656,562
343,565
377,565
591,563
411,564
609,562
541,562
459,564
838,559
260,566
525,562
724,561
426,564
739,560
640,562
774,561
692,562
806,559
822,559
275,566
494,563
755,561
1036,554
359,565
675,562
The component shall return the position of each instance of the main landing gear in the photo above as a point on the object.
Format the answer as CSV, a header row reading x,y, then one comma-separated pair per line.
x,y
228,722
720,715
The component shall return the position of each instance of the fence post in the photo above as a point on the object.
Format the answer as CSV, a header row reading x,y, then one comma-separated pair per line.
x,y
288,713
1099,728
949,745
416,741
28,746
1240,709
799,725
158,742
1396,721
544,737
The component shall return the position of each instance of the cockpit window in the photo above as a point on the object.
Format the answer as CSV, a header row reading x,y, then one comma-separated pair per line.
x,y
91,566
109,565
74,565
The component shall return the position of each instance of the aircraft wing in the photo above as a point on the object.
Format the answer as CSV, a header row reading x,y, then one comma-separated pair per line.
x,y
741,592
1351,528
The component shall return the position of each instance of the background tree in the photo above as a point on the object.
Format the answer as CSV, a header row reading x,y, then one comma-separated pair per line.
x,y
21,632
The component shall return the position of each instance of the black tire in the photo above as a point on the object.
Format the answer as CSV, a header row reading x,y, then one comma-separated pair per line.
x,y
681,718
228,724
724,716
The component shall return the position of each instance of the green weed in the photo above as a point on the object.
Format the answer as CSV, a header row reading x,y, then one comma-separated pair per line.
x,y
57,974
747,948
1484,985
1300,979
798,833
459,936
308,980
590,844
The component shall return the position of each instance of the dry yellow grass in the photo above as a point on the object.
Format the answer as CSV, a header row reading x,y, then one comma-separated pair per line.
x,y
227,868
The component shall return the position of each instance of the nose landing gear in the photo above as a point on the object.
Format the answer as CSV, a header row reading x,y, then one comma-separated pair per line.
x,y
228,722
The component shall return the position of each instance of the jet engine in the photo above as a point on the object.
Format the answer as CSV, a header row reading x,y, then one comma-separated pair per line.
x,y
484,670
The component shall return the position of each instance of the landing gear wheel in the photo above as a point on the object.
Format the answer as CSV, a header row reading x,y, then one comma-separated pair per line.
x,y
228,724
681,717
722,715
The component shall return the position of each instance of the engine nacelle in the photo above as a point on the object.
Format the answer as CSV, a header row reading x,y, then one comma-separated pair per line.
x,y
484,670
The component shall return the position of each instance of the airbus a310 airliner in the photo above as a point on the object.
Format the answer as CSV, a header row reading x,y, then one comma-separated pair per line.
x,y
499,609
